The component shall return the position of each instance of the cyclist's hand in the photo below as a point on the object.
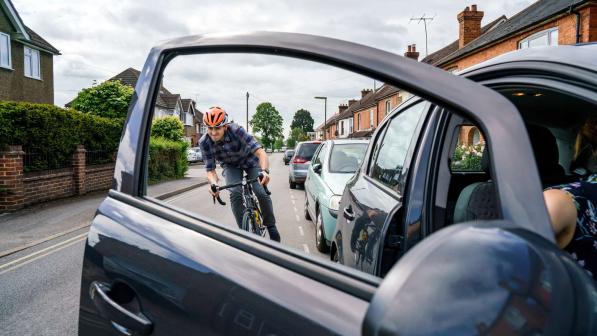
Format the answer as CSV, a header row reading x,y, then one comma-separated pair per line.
x,y
264,180
214,193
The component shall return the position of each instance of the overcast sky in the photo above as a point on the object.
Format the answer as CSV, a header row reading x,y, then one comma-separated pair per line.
x,y
98,39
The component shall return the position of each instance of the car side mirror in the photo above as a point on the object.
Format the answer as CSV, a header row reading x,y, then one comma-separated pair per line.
x,y
317,168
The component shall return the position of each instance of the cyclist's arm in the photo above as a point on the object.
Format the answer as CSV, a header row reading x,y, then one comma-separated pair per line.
x,y
263,159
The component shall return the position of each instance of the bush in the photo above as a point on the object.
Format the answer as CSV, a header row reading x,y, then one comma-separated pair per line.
x,y
167,159
170,128
54,132
109,99
468,157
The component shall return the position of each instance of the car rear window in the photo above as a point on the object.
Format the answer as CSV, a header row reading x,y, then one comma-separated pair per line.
x,y
347,158
289,153
306,150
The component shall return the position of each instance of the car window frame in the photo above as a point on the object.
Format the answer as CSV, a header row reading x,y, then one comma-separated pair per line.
x,y
398,190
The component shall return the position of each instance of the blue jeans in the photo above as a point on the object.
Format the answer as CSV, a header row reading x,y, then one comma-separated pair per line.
x,y
235,175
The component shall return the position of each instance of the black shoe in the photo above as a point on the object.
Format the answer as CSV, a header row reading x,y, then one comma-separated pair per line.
x,y
273,233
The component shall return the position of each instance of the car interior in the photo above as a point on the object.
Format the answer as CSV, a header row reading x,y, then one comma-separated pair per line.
x,y
552,119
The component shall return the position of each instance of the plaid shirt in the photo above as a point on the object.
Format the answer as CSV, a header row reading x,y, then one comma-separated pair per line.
x,y
236,149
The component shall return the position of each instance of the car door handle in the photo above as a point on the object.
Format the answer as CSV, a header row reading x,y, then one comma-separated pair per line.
x,y
348,214
125,321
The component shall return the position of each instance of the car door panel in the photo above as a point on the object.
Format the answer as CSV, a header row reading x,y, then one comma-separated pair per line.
x,y
370,211
186,282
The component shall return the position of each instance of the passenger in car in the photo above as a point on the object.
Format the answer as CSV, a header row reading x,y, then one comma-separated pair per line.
x,y
572,207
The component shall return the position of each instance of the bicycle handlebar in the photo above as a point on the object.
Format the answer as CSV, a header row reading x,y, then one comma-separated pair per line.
x,y
216,188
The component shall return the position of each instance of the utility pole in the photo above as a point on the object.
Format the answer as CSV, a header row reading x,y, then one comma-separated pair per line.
x,y
247,112
325,116
424,19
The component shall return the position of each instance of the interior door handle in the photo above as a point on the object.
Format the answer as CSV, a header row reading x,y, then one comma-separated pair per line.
x,y
125,321
348,214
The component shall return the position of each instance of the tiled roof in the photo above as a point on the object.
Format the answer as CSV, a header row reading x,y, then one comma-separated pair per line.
x,y
186,104
40,42
452,47
527,18
170,100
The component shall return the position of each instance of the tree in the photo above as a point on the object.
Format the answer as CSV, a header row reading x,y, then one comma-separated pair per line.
x,y
169,127
279,143
110,99
290,143
303,120
267,121
298,134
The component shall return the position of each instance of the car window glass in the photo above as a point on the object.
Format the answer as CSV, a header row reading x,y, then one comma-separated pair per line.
x,y
391,153
307,149
468,153
192,85
346,158
321,153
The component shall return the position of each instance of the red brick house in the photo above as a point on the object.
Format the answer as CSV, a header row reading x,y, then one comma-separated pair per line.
x,y
544,23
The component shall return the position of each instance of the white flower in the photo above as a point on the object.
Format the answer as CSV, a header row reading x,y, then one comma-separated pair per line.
x,y
479,154
467,153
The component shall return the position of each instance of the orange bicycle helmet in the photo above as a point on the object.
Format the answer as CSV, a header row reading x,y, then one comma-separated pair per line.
x,y
215,117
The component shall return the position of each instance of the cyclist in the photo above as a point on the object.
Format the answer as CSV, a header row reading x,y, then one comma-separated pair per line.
x,y
238,152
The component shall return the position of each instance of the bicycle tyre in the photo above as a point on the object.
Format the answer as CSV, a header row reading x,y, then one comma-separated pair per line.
x,y
249,224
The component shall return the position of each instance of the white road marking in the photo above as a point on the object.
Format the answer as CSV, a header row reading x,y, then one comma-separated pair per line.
x,y
306,248
301,230
291,195
295,210
293,202
298,219
55,247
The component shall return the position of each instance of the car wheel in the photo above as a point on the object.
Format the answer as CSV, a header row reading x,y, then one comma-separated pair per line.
x,y
320,243
307,216
335,258
292,184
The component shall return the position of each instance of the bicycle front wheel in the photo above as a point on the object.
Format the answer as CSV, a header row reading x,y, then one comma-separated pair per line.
x,y
253,222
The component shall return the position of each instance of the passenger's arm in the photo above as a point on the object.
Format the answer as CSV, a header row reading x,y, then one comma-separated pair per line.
x,y
562,212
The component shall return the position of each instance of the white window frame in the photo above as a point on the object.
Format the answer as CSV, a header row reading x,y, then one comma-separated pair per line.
x,y
371,119
31,65
9,66
549,33
388,106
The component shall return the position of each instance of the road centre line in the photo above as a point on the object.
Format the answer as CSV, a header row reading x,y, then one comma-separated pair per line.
x,y
306,248
295,210
301,230
293,202
38,254
298,219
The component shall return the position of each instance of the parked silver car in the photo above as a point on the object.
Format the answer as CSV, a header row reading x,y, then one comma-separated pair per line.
x,y
299,164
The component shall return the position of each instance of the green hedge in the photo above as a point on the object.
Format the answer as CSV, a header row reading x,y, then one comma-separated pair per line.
x,y
167,159
55,132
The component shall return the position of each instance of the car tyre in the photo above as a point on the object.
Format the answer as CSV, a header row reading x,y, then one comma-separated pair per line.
x,y
292,184
320,243
307,216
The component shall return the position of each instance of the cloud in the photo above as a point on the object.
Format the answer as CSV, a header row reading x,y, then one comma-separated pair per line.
x,y
98,40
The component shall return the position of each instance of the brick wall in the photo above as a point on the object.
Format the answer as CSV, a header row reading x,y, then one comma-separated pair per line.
x,y
18,189
99,177
46,186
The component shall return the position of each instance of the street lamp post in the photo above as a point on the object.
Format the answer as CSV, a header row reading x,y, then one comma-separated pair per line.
x,y
247,112
325,115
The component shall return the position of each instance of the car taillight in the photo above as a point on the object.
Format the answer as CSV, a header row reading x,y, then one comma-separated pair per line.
x,y
299,160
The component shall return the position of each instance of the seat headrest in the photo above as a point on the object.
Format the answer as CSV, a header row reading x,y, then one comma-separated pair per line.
x,y
545,149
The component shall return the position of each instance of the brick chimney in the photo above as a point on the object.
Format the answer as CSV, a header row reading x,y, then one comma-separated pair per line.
x,y
412,52
342,108
364,92
351,101
469,21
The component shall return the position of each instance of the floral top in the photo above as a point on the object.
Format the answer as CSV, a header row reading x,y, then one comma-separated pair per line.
x,y
583,246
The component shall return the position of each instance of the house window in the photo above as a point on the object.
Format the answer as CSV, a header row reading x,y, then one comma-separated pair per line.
x,y
370,118
32,63
5,51
548,37
358,121
189,119
203,129
350,125
388,107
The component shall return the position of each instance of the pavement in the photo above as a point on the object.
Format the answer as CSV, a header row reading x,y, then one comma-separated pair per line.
x,y
39,223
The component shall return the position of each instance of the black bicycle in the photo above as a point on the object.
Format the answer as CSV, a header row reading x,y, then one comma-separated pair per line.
x,y
252,217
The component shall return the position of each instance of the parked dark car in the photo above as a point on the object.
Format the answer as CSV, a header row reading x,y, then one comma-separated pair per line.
x,y
299,164
288,154
153,269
